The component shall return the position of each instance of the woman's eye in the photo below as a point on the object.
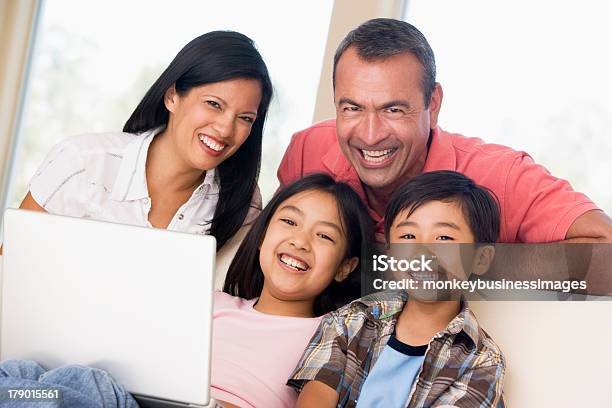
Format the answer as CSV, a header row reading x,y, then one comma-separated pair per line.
x,y
214,104
445,238
287,221
327,237
407,236
248,119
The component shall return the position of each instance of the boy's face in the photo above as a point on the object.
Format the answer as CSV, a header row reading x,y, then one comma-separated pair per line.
x,y
434,225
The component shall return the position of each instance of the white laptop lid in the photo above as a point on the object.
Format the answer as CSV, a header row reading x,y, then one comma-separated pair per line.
x,y
134,301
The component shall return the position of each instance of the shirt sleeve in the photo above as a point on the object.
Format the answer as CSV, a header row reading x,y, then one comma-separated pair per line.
x,y
479,386
290,168
255,208
539,206
59,183
325,357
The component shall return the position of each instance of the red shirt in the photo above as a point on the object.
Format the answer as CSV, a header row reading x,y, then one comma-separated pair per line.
x,y
535,206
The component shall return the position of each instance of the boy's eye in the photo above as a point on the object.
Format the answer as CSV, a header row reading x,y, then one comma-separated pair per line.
x,y
327,237
287,221
407,236
445,238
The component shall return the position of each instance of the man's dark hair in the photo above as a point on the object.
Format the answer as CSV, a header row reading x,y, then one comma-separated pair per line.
x,y
381,38
479,204
245,277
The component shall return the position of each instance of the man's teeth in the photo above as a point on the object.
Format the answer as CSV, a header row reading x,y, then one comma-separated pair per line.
x,y
423,276
376,156
294,263
211,143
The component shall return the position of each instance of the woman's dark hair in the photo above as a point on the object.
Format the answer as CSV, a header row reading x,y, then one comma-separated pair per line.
x,y
479,205
214,57
245,277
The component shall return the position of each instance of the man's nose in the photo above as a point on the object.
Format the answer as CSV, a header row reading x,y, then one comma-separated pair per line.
x,y
372,129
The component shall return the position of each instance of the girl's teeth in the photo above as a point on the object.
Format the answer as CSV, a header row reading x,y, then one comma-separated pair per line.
x,y
293,263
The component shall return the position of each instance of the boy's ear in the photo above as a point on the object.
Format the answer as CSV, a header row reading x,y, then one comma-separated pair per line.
x,y
483,258
346,267
170,98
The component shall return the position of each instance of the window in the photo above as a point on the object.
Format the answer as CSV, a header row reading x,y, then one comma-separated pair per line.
x,y
531,75
95,60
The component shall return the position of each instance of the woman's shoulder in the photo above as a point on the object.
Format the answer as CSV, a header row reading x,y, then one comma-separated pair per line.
x,y
88,144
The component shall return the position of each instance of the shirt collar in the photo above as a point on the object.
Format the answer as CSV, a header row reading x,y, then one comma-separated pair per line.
x,y
131,181
441,154
388,304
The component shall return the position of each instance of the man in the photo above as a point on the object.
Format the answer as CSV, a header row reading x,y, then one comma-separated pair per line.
x,y
386,132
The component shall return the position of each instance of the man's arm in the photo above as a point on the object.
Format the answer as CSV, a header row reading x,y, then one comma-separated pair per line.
x,y
316,394
592,226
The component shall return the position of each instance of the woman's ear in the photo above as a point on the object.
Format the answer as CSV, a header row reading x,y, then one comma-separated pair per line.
x,y
346,267
482,259
170,98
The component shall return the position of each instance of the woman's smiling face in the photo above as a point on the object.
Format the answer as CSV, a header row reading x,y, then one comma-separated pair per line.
x,y
304,247
210,122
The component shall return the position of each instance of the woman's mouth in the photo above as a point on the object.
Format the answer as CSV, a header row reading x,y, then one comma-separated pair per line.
x,y
214,146
293,263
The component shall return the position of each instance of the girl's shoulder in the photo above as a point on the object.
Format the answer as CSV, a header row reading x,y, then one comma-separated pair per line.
x,y
224,301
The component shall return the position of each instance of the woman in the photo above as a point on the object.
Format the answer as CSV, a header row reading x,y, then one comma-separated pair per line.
x,y
190,154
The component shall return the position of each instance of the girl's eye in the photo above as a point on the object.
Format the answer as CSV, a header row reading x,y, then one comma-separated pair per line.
x,y
445,238
287,221
327,237
407,236
214,104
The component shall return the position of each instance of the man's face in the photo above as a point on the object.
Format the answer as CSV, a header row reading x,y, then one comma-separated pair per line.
x,y
382,123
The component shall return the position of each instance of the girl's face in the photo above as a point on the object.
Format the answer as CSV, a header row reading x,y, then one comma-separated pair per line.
x,y
304,248
210,122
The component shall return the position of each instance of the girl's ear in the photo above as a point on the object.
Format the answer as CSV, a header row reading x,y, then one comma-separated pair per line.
x,y
170,98
346,267
482,259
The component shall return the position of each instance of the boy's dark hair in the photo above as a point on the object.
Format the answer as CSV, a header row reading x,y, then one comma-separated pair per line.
x,y
245,277
478,203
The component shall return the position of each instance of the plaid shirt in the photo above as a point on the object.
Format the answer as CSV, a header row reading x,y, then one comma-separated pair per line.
x,y
463,367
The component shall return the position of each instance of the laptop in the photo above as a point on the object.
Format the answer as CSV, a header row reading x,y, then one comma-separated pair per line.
x,y
134,301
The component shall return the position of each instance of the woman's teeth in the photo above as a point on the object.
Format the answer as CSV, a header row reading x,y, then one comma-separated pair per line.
x,y
217,147
376,156
294,263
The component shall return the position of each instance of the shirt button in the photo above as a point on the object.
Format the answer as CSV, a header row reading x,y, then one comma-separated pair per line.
x,y
146,201
181,216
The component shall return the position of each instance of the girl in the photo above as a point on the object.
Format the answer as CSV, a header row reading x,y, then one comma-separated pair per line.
x,y
294,265
189,157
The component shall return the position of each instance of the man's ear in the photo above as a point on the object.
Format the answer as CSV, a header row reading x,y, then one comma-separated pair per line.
x,y
435,104
346,267
171,98
482,259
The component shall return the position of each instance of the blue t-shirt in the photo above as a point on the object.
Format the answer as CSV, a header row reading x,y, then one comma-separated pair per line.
x,y
389,382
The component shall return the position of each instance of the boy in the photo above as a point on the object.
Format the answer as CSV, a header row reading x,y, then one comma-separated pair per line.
x,y
400,349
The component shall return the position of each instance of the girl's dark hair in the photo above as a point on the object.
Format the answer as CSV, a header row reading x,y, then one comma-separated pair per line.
x,y
245,277
214,57
479,204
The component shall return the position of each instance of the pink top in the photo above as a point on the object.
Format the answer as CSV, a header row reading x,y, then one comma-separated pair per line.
x,y
254,353
535,206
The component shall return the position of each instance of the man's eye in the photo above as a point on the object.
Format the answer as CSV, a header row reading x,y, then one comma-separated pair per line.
x,y
394,110
407,236
287,221
327,237
214,104
445,238
351,109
